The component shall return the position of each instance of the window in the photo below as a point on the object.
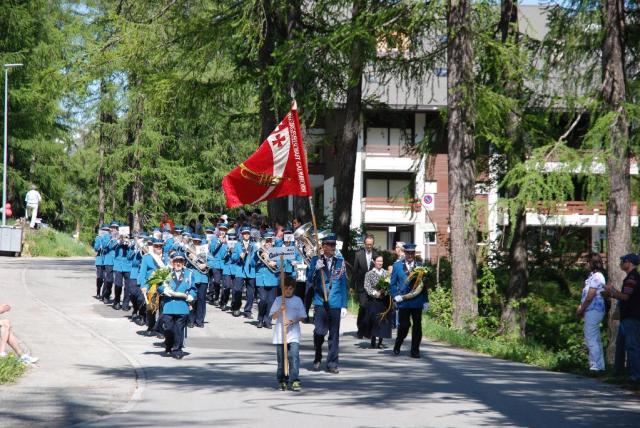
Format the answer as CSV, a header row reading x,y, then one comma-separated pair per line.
x,y
380,185
376,188
430,238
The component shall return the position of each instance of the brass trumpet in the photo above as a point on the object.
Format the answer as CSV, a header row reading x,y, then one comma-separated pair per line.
x,y
196,259
305,241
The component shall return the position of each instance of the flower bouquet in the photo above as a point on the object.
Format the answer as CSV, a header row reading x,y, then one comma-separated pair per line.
x,y
383,285
417,276
158,277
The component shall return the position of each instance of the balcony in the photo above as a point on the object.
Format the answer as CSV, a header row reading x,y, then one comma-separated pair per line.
x,y
573,213
390,211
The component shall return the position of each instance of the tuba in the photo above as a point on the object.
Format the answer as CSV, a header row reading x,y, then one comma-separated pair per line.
x,y
196,259
263,255
306,243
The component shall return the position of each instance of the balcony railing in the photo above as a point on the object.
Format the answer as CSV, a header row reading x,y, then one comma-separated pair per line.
x,y
382,203
394,150
575,207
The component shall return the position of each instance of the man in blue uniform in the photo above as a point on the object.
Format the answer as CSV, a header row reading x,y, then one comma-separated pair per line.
x,y
245,273
176,296
327,274
217,252
409,299
135,258
200,282
121,271
228,274
97,247
109,245
266,282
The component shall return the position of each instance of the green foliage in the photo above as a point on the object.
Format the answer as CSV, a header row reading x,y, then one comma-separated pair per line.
x,y
51,243
10,369
441,305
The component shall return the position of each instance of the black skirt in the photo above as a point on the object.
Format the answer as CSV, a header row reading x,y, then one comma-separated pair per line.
x,y
379,326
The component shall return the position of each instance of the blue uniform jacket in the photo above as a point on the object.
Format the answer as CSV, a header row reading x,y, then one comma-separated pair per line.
x,y
243,268
219,251
198,277
399,286
147,267
176,306
289,268
120,258
264,276
109,250
168,245
335,283
97,247
135,258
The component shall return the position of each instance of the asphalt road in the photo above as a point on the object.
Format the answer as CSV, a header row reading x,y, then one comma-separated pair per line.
x,y
95,370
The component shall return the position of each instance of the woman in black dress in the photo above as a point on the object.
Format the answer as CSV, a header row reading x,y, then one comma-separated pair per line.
x,y
379,304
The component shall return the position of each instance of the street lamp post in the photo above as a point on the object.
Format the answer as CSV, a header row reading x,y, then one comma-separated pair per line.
x,y
6,123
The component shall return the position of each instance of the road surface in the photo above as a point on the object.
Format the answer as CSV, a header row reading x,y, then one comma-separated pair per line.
x,y
96,370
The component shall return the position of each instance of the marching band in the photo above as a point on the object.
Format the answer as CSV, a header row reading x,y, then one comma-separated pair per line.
x,y
167,277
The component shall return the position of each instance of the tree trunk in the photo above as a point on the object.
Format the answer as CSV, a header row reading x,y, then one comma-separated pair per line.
x,y
133,137
618,206
348,147
277,208
513,318
461,162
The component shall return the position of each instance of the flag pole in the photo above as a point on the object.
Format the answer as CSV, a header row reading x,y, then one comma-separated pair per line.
x,y
283,308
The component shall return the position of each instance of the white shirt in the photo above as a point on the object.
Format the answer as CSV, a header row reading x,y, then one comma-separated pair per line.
x,y
295,310
32,197
329,262
368,254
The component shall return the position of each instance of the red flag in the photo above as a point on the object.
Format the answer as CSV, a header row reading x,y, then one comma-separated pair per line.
x,y
278,168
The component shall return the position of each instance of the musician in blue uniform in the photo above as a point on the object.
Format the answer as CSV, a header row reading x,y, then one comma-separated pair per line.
x,y
210,236
121,271
177,294
175,237
150,262
243,266
266,281
228,275
327,273
409,299
217,252
97,247
135,258
109,250
198,266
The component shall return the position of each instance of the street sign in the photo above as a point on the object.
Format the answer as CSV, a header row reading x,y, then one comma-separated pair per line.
x,y
392,229
289,253
429,201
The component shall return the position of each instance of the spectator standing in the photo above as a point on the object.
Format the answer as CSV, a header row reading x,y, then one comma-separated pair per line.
x,y
32,201
592,308
629,304
363,263
166,223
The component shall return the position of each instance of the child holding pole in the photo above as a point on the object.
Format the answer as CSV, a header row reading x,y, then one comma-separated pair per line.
x,y
293,309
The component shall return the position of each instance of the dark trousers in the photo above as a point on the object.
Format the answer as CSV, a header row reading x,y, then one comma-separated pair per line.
x,y
215,282
411,316
108,281
120,280
306,294
266,296
225,292
174,331
199,305
236,299
326,322
99,279
361,322
137,300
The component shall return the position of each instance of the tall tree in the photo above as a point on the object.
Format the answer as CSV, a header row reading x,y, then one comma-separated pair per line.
x,y
461,163
618,162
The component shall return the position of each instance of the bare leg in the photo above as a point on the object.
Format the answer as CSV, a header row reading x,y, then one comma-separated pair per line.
x,y
5,332
13,342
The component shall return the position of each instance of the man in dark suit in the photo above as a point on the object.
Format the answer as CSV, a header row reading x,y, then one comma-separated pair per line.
x,y
362,264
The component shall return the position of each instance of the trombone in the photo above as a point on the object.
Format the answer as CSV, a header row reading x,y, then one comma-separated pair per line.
x,y
196,259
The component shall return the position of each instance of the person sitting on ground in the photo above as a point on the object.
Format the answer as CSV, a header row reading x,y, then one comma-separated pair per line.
x,y
8,337
294,314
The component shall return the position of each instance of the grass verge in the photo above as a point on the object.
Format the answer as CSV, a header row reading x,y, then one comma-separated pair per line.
x,y
10,369
51,243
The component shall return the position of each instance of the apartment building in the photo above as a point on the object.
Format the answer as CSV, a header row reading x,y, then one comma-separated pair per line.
x,y
402,196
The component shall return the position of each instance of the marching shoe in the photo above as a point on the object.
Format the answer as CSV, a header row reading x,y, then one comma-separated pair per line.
x,y
178,355
126,309
415,355
396,349
200,325
248,315
259,325
236,313
117,306
267,326
333,370
190,324
316,366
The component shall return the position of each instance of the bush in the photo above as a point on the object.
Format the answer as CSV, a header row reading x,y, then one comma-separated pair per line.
x,y
51,243
10,369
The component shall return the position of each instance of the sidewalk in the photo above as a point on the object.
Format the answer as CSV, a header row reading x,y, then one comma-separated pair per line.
x,y
57,391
